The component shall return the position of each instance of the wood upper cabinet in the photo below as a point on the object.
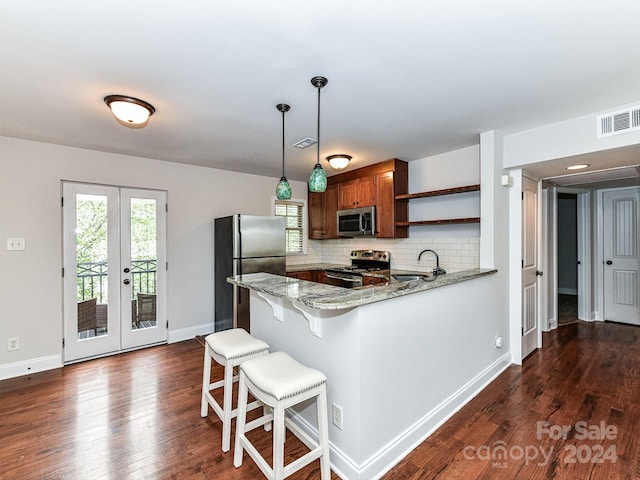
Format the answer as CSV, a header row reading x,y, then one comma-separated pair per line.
x,y
390,211
359,192
378,185
317,215
322,213
331,196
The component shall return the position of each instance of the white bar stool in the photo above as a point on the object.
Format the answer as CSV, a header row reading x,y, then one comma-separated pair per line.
x,y
281,382
229,348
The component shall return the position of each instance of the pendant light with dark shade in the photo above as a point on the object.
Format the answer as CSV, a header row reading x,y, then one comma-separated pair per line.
x,y
318,179
283,189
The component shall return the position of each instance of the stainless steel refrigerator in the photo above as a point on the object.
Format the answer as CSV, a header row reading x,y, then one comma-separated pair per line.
x,y
244,244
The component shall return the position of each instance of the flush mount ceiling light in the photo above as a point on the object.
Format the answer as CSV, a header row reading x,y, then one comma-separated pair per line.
x,y
339,161
318,179
578,167
129,111
283,189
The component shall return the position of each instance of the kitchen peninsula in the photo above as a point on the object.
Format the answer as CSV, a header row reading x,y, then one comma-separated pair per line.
x,y
399,358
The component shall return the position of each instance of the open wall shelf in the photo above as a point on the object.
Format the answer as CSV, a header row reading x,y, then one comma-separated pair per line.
x,y
444,221
437,193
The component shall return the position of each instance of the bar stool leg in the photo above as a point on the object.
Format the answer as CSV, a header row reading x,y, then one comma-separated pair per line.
x,y
279,433
206,380
323,435
241,420
227,412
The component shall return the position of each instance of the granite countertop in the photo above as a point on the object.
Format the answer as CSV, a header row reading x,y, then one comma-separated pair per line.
x,y
328,297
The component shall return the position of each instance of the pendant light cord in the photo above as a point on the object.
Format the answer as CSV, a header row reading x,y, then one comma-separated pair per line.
x,y
318,157
283,143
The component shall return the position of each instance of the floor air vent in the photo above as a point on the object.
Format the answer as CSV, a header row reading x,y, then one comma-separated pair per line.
x,y
621,121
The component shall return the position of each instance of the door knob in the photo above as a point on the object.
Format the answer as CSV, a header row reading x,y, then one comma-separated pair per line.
x,y
126,270
126,281
609,262
539,273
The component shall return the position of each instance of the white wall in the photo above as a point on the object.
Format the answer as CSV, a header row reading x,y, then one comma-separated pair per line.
x,y
30,280
574,136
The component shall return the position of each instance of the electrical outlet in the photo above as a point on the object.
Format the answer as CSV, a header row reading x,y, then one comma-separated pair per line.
x,y
15,243
336,415
13,343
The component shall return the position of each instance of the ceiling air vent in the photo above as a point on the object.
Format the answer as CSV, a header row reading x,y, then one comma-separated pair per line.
x,y
621,121
305,142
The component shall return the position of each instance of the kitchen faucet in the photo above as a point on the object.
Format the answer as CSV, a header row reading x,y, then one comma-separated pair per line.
x,y
436,271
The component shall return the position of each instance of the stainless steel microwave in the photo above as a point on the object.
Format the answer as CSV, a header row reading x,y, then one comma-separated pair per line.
x,y
357,222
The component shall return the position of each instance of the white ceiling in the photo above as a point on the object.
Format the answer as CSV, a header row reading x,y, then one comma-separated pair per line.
x,y
407,79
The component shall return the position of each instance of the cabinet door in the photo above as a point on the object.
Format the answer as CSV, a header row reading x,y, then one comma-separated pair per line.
x,y
331,196
317,215
318,276
348,194
301,275
359,192
366,191
385,206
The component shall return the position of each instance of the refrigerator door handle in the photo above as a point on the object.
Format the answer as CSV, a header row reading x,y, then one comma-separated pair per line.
x,y
237,270
239,234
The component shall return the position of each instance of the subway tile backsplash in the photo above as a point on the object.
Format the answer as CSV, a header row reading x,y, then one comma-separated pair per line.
x,y
455,253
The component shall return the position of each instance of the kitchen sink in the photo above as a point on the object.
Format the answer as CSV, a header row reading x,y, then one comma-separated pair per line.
x,y
408,277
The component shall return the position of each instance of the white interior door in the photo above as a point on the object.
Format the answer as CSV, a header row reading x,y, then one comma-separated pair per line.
x,y
621,260
114,266
530,272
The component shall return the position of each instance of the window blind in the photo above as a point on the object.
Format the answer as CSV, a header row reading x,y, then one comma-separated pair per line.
x,y
294,221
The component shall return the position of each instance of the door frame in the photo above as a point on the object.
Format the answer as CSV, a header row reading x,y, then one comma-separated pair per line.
x,y
599,300
124,342
584,250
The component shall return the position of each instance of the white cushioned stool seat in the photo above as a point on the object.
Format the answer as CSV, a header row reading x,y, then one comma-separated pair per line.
x,y
229,348
235,343
281,376
279,381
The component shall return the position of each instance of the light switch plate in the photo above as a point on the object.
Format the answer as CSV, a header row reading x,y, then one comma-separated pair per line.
x,y
15,243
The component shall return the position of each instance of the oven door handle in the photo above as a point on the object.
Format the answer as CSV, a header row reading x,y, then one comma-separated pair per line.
x,y
346,279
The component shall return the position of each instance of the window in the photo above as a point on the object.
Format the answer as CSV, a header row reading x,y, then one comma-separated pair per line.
x,y
294,213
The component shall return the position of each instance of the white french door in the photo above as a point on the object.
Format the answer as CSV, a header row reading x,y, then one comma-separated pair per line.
x,y
114,264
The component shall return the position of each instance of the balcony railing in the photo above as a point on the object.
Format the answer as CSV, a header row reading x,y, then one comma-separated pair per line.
x,y
92,279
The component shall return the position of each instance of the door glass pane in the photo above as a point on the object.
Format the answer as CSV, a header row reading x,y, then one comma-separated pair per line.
x,y
91,265
143,263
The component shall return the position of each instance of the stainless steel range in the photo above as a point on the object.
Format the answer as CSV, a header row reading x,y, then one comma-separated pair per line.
x,y
362,262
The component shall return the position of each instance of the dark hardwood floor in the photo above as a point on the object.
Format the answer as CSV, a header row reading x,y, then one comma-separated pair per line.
x,y
567,309
136,416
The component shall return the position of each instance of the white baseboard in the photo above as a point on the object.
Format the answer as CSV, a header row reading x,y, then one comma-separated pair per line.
x,y
398,448
41,364
189,332
27,367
